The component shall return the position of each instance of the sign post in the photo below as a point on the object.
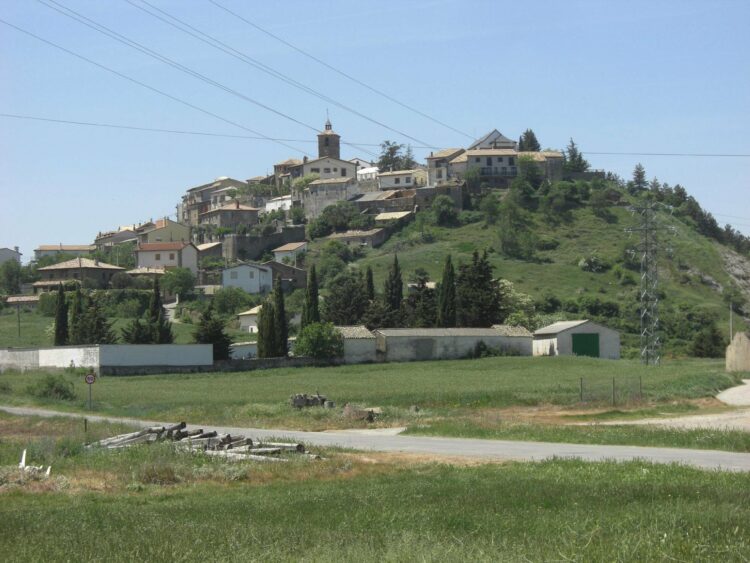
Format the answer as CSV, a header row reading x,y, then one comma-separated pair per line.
x,y
90,380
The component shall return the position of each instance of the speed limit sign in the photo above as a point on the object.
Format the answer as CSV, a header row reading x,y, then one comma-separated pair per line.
x,y
90,378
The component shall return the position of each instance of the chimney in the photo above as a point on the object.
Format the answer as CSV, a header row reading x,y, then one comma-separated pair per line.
x,y
236,204
304,159
16,249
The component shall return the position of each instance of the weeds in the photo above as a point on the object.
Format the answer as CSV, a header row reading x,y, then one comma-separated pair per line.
x,y
54,387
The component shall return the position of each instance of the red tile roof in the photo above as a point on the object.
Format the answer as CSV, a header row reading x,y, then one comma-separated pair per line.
x,y
160,246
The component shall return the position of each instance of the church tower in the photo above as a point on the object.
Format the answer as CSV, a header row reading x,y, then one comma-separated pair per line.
x,y
329,142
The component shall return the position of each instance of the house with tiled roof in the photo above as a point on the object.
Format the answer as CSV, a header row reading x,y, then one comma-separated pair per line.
x,y
396,179
164,230
80,270
57,249
231,215
167,255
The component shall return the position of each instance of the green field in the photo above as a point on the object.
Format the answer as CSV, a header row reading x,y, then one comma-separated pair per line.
x,y
472,398
151,503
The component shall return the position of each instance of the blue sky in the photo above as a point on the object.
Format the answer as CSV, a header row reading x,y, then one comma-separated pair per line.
x,y
657,76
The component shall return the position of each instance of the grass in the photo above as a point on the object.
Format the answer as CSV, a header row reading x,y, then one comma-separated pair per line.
x,y
154,504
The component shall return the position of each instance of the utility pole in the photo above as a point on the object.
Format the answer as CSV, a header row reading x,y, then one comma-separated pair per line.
x,y
648,248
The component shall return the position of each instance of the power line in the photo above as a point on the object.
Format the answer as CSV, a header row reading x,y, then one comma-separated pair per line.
x,y
144,85
667,154
161,58
341,72
247,59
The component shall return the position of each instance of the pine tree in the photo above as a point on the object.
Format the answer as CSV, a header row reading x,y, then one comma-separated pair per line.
x,y
639,178
136,332
346,301
210,330
95,329
370,285
446,313
76,316
159,326
281,327
574,161
477,294
529,142
521,145
61,318
394,287
310,309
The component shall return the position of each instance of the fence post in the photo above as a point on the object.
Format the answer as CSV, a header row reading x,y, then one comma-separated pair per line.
x,y
613,391
581,390
640,388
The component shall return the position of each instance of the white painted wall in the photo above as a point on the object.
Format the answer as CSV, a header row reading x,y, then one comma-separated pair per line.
x,y
18,359
283,202
562,344
359,350
249,277
185,258
738,353
156,355
65,356
249,323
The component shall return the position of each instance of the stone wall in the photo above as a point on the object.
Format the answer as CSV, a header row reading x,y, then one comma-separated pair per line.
x,y
738,353
252,247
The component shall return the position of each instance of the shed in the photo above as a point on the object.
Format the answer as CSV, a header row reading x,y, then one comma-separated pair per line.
x,y
738,352
579,338
359,344
249,319
408,344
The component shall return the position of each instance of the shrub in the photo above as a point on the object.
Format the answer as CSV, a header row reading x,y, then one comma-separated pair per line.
x,y
320,341
52,387
547,243
157,474
481,350
5,387
593,264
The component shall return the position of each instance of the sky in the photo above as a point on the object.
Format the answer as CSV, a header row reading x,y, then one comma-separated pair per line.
x,y
627,77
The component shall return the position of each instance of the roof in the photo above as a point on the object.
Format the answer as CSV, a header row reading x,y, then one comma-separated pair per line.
x,y
540,156
359,331
290,246
397,173
460,158
341,180
145,270
248,265
511,330
161,246
80,263
70,247
207,246
558,327
493,136
375,196
368,170
392,215
19,299
11,250
444,153
347,234
492,152
281,197
53,283
427,332
254,311
289,162
234,206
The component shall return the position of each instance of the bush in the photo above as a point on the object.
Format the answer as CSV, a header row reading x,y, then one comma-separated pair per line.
x,y
52,387
157,474
232,300
594,264
320,341
5,387
47,304
481,350
547,243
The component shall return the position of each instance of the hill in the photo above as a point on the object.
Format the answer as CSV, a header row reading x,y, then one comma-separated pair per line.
x,y
698,274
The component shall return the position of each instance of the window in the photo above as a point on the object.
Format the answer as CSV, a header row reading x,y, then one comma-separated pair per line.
x,y
499,159
326,170
252,274
407,180
233,275
315,170
477,159
489,161
335,169
439,173
343,172
397,180
157,256
327,141
171,255
511,161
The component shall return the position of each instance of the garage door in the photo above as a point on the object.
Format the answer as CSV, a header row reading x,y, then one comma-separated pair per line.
x,y
586,344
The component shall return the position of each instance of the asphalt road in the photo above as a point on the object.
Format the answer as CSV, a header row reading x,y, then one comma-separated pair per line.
x,y
498,450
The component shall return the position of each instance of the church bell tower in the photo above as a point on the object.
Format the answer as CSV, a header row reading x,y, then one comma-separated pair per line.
x,y
329,142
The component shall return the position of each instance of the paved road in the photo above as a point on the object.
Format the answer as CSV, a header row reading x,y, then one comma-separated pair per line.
x,y
484,449
736,396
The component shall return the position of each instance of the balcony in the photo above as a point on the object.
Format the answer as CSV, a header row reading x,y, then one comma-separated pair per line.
x,y
499,171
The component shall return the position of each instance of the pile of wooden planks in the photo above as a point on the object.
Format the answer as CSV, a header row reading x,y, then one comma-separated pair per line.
x,y
229,447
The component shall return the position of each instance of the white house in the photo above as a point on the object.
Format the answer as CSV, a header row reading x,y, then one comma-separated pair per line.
x,y
359,344
366,174
362,163
290,251
167,255
252,278
249,319
580,338
283,202
9,254
401,179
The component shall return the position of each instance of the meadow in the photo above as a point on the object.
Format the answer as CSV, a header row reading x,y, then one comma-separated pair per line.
x,y
154,503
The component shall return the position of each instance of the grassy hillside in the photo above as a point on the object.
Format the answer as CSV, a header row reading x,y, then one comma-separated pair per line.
x,y
691,268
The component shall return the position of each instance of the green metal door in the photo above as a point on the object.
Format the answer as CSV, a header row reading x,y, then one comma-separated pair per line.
x,y
586,344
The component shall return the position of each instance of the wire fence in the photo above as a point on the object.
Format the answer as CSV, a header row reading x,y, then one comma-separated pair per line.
x,y
614,391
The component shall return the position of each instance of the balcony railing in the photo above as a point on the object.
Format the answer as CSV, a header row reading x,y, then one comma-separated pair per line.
x,y
501,171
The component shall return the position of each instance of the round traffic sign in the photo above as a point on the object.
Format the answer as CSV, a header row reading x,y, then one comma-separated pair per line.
x,y
90,378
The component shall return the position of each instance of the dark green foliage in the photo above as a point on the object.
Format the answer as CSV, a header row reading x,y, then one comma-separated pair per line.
x,y
281,326
600,204
267,330
161,328
52,387
639,182
297,215
121,280
137,332
490,206
393,293
574,161
77,308
347,299
529,142
210,330
94,327
378,315
529,172
446,309
477,294
516,239
392,157
594,264
320,341
10,277
444,211
421,304
310,309
370,284
232,300
61,318
708,343
179,281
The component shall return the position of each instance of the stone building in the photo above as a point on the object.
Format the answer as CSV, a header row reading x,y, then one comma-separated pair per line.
x,y
76,270
738,352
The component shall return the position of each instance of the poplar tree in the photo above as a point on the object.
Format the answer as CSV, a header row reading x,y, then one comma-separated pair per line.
x,y
61,318
267,330
159,326
310,310
370,285
76,316
394,287
446,313
281,327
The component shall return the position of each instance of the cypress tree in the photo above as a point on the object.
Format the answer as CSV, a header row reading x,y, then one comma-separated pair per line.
x,y
370,285
61,318
159,326
394,287
310,310
267,330
76,316
446,313
281,326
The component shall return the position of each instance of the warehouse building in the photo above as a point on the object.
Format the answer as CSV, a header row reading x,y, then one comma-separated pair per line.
x,y
579,338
